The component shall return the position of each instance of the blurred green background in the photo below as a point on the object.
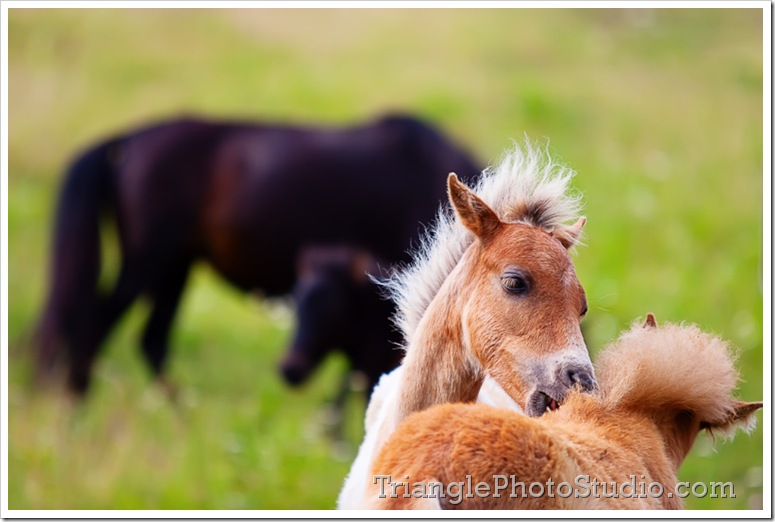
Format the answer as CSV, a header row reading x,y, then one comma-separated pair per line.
x,y
659,111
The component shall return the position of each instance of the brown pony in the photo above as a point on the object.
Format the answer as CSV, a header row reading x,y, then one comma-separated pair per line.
x,y
492,293
245,197
659,387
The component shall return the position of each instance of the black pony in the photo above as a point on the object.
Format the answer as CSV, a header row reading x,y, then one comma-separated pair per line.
x,y
245,197
339,306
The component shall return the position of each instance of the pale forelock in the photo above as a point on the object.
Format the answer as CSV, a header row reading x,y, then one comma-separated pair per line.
x,y
526,186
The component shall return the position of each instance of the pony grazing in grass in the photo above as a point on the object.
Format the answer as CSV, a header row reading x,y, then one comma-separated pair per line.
x,y
659,387
245,197
339,307
493,292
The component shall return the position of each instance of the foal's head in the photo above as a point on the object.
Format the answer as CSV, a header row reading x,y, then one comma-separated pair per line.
x,y
338,308
678,376
522,304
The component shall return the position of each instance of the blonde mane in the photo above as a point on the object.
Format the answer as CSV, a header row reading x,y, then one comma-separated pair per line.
x,y
676,367
525,187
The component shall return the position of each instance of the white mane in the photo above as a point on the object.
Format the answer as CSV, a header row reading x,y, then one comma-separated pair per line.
x,y
525,187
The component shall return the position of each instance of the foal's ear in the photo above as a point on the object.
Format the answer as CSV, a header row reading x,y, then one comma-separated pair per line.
x,y
363,265
741,416
569,236
651,321
472,211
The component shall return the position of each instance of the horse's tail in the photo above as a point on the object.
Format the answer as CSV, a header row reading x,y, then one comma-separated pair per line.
x,y
88,190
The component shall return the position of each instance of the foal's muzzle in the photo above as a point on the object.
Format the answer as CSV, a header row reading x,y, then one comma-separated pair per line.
x,y
295,368
577,375
581,377
550,397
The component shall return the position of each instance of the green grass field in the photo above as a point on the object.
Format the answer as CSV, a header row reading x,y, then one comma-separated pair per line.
x,y
659,111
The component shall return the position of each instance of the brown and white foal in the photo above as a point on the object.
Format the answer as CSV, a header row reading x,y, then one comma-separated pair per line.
x,y
493,292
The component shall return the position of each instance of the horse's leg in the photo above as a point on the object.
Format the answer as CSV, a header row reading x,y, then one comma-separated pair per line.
x,y
97,322
335,410
165,293
335,413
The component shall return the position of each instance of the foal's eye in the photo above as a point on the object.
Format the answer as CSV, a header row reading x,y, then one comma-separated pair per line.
x,y
515,283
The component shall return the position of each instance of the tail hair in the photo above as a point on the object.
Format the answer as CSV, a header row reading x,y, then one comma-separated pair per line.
x,y
75,258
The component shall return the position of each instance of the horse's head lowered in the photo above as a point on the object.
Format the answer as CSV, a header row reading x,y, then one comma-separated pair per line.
x,y
522,304
339,308
331,286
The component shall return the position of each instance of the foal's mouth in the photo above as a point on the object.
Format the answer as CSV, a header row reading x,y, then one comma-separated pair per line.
x,y
541,402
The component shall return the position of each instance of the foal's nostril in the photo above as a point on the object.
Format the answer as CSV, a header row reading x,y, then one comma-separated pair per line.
x,y
583,377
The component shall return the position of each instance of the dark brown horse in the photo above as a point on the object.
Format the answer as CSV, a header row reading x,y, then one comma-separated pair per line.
x,y
339,305
245,197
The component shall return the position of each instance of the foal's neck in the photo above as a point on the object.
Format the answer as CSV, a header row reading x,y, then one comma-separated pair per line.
x,y
439,367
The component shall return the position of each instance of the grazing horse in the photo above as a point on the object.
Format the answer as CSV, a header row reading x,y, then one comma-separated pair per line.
x,y
339,306
618,448
243,197
493,292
